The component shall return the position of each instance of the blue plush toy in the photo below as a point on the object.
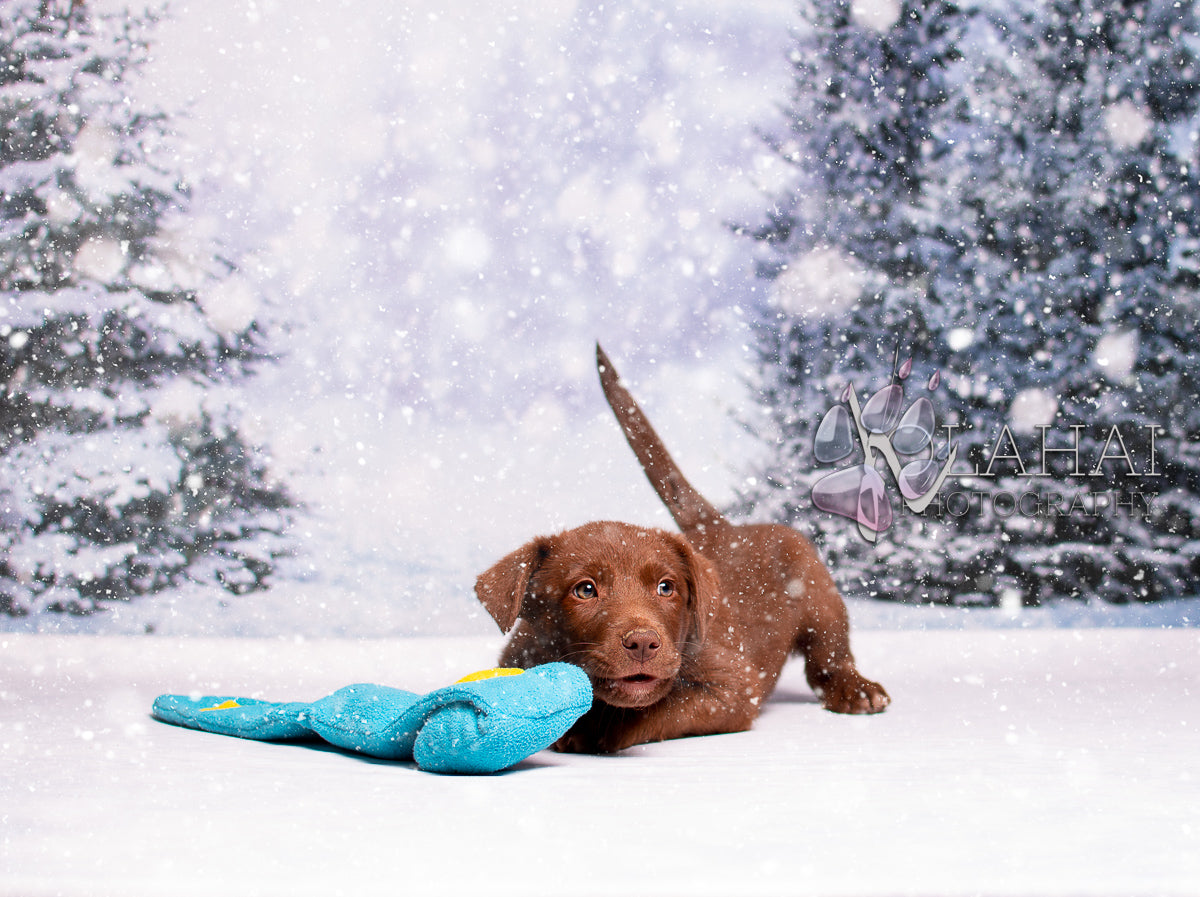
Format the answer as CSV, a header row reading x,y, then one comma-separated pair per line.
x,y
483,723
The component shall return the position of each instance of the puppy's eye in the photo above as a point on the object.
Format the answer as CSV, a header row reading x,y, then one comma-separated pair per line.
x,y
666,588
585,590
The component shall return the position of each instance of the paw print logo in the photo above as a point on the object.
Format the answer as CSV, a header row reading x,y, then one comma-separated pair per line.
x,y
903,441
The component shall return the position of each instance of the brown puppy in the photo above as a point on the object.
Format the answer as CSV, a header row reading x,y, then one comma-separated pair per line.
x,y
680,636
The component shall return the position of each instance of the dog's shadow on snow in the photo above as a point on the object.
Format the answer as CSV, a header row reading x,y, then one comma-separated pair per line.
x,y
785,695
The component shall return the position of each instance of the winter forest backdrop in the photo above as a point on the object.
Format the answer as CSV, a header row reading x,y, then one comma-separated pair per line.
x,y
428,213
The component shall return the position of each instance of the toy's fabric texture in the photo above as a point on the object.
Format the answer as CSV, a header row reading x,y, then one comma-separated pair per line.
x,y
477,725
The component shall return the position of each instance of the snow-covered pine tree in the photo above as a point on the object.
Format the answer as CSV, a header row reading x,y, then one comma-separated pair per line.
x,y
1075,230
849,249
1060,262
122,470
1094,238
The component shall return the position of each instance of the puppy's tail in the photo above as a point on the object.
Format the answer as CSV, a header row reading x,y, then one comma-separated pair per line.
x,y
690,509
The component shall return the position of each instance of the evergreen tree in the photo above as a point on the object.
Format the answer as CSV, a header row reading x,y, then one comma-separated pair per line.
x,y
122,470
1049,239
849,247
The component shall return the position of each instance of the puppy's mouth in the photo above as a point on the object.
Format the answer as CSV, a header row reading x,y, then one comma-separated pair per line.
x,y
638,690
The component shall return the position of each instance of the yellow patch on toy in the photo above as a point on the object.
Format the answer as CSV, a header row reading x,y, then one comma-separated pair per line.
x,y
490,674
224,705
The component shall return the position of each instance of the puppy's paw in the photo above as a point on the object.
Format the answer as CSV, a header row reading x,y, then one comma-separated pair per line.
x,y
573,743
592,739
855,694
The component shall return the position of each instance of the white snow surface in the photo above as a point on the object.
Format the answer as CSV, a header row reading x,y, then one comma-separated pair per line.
x,y
1055,762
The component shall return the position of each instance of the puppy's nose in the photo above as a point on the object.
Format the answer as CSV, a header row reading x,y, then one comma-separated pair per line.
x,y
642,644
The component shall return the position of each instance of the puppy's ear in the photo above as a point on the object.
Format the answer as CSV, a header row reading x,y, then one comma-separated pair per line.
x,y
501,589
703,585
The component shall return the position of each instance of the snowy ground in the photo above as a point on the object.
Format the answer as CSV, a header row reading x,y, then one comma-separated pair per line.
x,y
1012,762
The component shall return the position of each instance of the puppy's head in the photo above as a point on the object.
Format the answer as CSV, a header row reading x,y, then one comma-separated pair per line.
x,y
625,603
